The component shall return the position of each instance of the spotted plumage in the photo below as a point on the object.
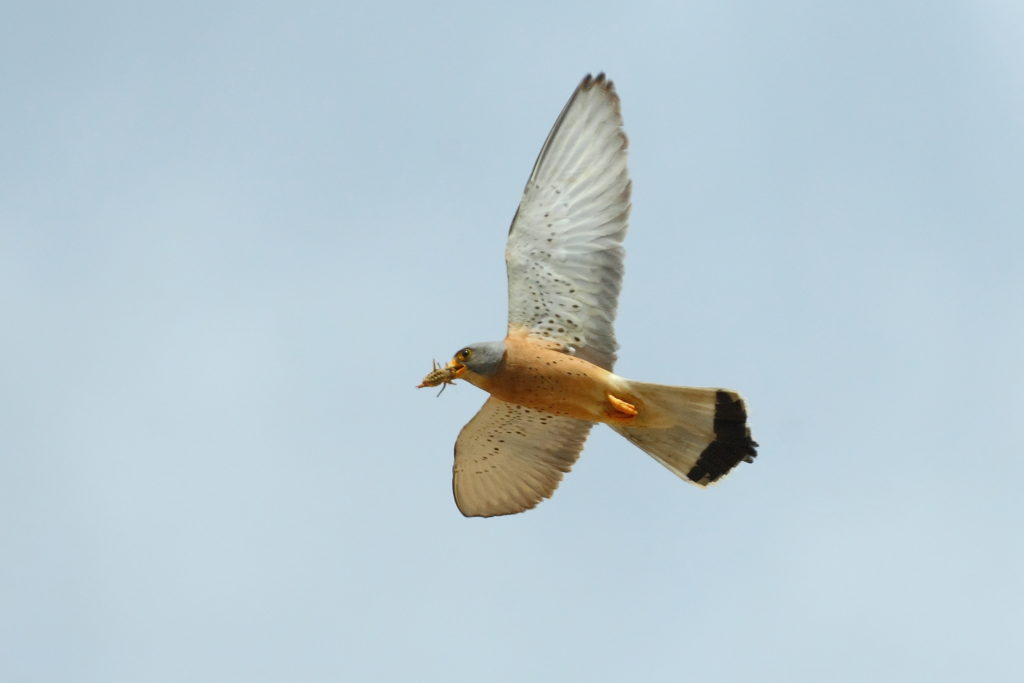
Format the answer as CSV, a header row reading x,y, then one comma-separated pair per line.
x,y
550,379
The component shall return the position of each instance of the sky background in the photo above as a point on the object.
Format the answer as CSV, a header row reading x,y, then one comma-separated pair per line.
x,y
233,237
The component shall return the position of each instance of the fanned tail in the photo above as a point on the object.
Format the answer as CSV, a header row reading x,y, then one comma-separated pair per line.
x,y
700,434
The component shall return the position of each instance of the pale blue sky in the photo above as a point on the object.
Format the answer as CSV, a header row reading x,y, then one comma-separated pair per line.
x,y
233,238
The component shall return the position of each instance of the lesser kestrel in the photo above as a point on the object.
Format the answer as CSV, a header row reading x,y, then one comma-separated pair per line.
x,y
550,379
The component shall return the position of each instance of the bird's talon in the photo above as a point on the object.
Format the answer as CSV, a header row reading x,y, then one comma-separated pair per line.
x,y
621,408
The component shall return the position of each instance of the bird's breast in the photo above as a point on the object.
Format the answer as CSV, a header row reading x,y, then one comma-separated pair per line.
x,y
537,377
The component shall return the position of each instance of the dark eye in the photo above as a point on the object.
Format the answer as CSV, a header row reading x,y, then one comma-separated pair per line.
x,y
464,354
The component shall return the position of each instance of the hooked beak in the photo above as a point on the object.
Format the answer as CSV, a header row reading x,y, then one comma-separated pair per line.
x,y
459,368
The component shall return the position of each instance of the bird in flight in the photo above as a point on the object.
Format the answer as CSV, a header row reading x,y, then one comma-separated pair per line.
x,y
550,379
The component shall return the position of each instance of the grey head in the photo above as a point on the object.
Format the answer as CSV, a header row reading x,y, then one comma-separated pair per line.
x,y
482,358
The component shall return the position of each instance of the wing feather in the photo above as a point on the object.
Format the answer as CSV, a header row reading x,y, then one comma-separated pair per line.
x,y
509,458
564,252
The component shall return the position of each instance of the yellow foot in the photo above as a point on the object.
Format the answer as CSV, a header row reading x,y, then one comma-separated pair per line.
x,y
621,408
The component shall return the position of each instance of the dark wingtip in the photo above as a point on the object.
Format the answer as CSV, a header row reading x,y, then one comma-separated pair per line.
x,y
732,444
600,80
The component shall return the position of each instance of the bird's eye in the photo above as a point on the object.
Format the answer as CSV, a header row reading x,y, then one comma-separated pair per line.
x,y
464,354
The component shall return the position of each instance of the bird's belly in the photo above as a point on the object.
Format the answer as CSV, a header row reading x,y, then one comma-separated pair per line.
x,y
553,382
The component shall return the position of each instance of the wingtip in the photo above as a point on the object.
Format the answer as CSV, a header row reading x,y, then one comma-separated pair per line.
x,y
600,80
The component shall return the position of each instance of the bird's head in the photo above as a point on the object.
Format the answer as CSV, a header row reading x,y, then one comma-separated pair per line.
x,y
480,359
474,363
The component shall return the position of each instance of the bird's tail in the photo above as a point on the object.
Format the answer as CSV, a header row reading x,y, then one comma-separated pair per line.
x,y
700,434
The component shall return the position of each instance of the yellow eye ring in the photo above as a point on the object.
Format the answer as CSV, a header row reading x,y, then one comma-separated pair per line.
x,y
464,355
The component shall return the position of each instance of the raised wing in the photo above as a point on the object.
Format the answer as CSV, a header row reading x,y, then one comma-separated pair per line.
x,y
508,458
564,252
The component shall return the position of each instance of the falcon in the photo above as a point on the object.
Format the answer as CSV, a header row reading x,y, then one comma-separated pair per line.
x,y
550,379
